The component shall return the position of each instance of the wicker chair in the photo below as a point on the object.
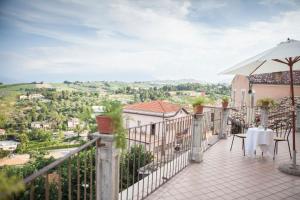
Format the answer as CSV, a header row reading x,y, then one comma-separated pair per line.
x,y
238,130
283,129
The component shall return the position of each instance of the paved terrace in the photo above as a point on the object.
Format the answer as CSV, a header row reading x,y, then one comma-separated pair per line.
x,y
230,175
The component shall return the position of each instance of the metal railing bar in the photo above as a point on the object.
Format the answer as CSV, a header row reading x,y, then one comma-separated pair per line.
x,y
59,184
129,146
141,130
175,154
160,152
139,162
78,177
32,190
149,151
69,180
133,168
91,174
168,149
84,176
58,162
46,187
156,149
152,150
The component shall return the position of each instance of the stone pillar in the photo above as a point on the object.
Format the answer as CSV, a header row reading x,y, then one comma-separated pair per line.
x,y
197,135
107,169
264,117
225,114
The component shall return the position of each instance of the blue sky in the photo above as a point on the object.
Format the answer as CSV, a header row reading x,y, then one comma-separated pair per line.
x,y
59,40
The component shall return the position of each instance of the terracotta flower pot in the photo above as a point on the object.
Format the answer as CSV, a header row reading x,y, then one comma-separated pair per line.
x,y
198,109
105,125
224,104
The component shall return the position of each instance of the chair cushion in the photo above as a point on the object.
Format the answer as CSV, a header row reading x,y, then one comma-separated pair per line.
x,y
241,135
279,138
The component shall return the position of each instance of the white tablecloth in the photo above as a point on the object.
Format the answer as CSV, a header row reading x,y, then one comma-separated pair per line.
x,y
259,137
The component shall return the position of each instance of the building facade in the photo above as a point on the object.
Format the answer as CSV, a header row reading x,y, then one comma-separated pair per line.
x,y
140,114
272,85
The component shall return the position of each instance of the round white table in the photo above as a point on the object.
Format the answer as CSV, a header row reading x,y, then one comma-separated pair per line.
x,y
259,137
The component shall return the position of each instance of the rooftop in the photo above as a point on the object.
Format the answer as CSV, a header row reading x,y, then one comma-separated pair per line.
x,y
158,106
230,175
277,78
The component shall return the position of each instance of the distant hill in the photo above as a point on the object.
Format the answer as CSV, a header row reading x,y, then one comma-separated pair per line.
x,y
174,82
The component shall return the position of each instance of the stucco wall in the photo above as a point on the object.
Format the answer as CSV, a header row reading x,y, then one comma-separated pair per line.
x,y
240,83
131,120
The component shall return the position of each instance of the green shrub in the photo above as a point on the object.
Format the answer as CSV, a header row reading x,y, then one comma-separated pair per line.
x,y
225,99
114,110
200,101
10,185
4,153
266,102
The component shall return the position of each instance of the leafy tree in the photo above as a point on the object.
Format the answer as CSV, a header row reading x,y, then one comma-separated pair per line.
x,y
3,120
22,147
39,135
10,185
4,153
136,156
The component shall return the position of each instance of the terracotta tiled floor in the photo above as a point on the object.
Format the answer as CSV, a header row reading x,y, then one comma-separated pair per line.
x,y
230,175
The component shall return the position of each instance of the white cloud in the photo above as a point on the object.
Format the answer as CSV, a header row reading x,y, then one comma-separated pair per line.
x,y
155,38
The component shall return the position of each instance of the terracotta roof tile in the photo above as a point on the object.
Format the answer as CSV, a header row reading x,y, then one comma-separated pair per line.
x,y
280,78
158,106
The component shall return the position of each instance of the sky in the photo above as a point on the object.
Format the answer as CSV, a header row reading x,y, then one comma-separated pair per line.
x,y
137,40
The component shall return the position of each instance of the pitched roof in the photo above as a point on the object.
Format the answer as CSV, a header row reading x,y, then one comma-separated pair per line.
x,y
277,78
158,106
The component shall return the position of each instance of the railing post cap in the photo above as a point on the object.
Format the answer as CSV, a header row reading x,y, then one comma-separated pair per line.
x,y
197,115
106,137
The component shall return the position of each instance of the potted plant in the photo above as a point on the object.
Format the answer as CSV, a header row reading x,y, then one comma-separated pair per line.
x,y
265,103
199,103
111,122
225,101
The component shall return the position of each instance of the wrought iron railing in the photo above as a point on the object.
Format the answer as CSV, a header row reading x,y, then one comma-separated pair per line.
x,y
70,177
156,152
212,125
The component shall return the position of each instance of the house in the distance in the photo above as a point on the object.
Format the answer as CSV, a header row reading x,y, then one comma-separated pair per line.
x,y
2,131
35,96
23,97
8,145
73,122
97,110
139,114
41,124
36,125
273,85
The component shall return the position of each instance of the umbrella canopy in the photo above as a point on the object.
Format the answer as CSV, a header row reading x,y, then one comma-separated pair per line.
x,y
265,61
285,56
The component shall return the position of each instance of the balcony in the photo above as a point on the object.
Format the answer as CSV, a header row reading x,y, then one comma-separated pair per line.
x,y
164,164
230,175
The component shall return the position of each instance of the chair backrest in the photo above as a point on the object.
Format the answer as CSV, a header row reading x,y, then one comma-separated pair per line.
x,y
283,128
237,125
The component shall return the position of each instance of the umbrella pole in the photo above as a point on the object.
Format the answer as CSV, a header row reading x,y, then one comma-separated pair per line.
x,y
291,168
293,113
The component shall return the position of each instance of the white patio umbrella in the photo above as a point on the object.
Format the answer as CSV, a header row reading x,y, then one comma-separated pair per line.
x,y
285,56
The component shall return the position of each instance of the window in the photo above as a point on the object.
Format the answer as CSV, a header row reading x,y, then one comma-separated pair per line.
x,y
243,97
252,100
138,123
233,97
152,131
